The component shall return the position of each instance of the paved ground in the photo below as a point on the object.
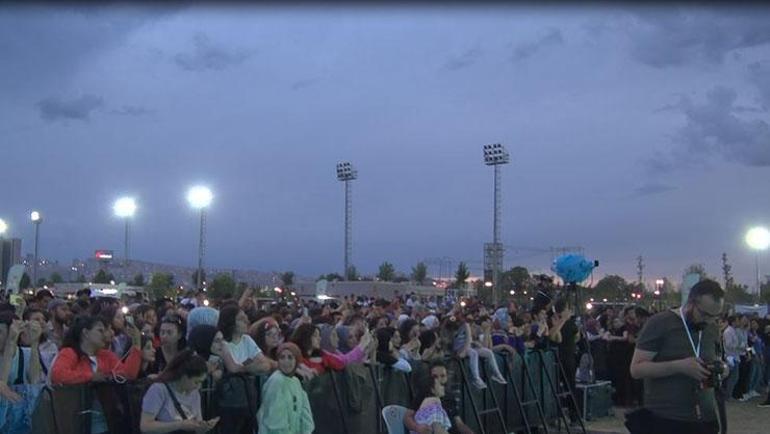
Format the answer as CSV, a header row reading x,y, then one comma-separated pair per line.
x,y
742,418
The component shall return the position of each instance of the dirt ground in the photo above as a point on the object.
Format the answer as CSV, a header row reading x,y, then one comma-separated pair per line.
x,y
742,418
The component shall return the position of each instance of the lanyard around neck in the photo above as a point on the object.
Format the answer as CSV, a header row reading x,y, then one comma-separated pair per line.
x,y
689,335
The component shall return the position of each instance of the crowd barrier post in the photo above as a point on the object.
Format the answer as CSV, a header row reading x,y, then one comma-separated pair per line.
x,y
558,395
521,403
377,395
335,389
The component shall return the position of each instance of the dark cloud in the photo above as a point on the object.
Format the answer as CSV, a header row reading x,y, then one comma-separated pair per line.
x,y
759,76
130,110
464,60
650,189
670,37
528,49
713,128
53,108
207,56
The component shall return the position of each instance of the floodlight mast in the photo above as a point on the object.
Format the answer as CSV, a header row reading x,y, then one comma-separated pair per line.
x,y
496,155
200,197
125,207
758,238
36,220
346,173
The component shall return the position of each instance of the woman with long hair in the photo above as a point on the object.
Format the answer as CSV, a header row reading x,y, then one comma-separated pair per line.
x,y
234,325
388,343
173,403
84,359
267,335
307,337
171,332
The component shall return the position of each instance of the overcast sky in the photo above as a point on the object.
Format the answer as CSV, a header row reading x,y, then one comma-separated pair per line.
x,y
631,131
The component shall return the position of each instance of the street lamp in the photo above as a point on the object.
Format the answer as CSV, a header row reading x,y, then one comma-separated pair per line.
x,y
3,227
346,173
124,208
758,238
495,155
36,220
200,197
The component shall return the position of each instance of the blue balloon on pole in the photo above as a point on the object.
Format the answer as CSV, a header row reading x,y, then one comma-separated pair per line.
x,y
573,268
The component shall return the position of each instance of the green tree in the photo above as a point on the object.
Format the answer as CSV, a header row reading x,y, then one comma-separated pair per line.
x,y
698,269
195,277
351,273
56,278
161,285
101,277
765,296
517,278
387,272
420,273
287,278
138,280
222,287
727,271
611,287
25,281
738,294
331,277
461,275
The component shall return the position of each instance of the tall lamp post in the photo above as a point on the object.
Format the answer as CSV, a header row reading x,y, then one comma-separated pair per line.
x,y
3,229
125,208
758,238
200,197
346,173
36,220
495,155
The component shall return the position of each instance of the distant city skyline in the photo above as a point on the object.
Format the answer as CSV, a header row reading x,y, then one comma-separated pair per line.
x,y
632,130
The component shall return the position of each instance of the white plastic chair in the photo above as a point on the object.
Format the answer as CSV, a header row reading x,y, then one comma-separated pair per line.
x,y
394,419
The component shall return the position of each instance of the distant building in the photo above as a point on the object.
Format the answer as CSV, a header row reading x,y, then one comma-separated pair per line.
x,y
10,255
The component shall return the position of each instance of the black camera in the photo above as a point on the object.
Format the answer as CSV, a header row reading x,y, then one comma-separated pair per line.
x,y
715,374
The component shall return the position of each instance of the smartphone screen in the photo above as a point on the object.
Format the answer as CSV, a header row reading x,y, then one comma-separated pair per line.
x,y
15,299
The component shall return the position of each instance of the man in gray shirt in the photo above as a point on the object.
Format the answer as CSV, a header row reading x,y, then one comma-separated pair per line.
x,y
672,354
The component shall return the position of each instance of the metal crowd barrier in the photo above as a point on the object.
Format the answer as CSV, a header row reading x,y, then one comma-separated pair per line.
x,y
347,402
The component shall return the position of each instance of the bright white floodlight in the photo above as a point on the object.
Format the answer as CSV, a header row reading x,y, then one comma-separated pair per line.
x,y
3,226
124,207
199,197
35,216
758,238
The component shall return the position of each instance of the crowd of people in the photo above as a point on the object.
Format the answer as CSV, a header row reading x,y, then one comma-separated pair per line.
x,y
174,346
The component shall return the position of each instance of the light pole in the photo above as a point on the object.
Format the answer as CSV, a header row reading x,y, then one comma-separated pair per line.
x,y
36,220
124,208
658,290
758,238
346,173
495,155
3,229
200,197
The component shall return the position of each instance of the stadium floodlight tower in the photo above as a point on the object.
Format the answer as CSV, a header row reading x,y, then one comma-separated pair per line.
x,y
36,220
346,173
200,197
758,238
495,155
125,208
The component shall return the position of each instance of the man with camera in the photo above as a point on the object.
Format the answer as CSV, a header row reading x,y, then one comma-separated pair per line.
x,y
676,356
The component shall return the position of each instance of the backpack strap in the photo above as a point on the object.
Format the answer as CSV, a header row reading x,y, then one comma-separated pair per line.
x,y
20,369
177,405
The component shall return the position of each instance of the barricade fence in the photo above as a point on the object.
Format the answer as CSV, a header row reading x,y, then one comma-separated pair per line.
x,y
346,402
